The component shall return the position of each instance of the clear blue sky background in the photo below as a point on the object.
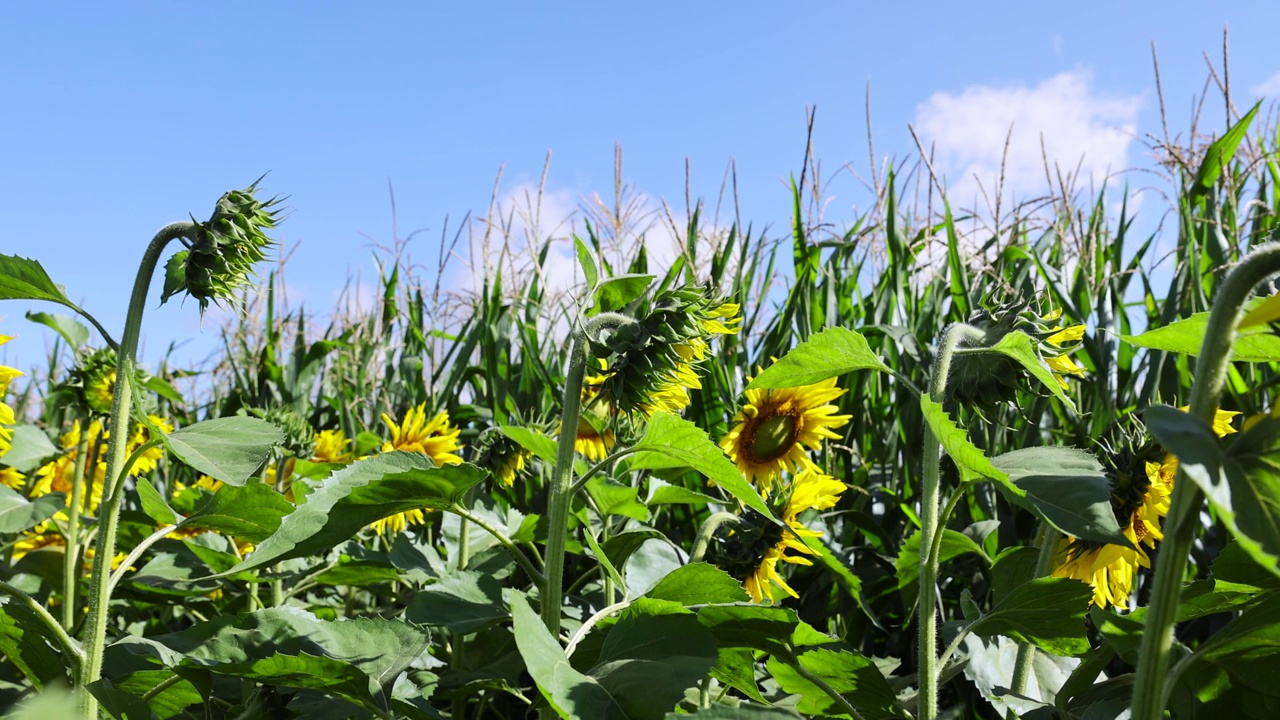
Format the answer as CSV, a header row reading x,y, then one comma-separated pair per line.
x,y
121,117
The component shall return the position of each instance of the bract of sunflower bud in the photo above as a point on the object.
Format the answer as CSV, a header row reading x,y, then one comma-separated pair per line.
x,y
91,384
501,456
987,380
299,436
652,362
219,261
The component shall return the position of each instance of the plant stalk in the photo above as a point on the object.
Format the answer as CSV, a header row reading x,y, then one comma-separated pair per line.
x,y
1182,521
71,559
1049,537
95,632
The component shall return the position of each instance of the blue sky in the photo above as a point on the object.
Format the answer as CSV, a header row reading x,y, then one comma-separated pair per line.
x,y
121,117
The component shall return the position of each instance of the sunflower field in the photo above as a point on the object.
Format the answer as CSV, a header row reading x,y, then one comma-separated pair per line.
x,y
922,467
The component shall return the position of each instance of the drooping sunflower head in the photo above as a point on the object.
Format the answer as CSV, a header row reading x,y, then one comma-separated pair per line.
x,y
987,380
501,456
436,438
775,429
652,362
220,259
7,374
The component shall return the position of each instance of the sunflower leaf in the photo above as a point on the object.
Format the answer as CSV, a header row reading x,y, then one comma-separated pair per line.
x,y
830,353
1254,343
1066,487
1046,612
1018,346
956,443
229,449
685,442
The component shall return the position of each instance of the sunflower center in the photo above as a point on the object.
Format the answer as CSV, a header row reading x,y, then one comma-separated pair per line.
x,y
774,437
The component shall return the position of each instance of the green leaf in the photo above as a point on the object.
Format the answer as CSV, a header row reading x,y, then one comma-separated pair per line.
x,y
25,279
830,353
588,262
1013,567
154,505
1264,313
175,275
681,440
676,495
17,513
570,693
617,292
1254,344
23,643
170,701
229,449
464,602
854,676
956,443
736,667
1066,488
1018,346
1235,667
251,512
365,492
614,498
1219,153
758,627
71,330
1243,484
30,448
1046,612
698,584
1122,632
954,544
535,442
118,703
741,711
162,388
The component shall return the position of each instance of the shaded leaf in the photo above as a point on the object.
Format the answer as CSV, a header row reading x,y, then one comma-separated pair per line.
x,y
1065,487
464,602
1046,612
854,676
17,513
698,584
30,447
1018,346
229,449
71,330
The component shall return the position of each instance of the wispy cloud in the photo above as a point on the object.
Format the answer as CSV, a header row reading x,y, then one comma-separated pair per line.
x,y
1269,88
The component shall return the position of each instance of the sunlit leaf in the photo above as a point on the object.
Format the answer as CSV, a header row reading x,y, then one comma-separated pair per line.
x,y
827,354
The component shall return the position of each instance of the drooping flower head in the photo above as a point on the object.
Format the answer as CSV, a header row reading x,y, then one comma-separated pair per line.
x,y
503,457
7,374
435,438
220,260
773,429
652,362
751,550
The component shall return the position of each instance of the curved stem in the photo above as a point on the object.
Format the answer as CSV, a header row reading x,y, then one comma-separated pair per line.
x,y
95,632
1181,523
521,559
590,623
708,530
562,481
600,467
163,685
1049,537
929,529
136,553
74,654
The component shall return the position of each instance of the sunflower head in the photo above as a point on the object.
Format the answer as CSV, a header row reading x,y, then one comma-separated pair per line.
x,y
331,446
436,438
987,380
652,361
7,374
219,261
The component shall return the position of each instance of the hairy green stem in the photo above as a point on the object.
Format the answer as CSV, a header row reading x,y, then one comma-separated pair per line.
x,y
160,687
562,482
929,529
708,531
95,632
1182,521
521,559
71,559
74,654
1049,537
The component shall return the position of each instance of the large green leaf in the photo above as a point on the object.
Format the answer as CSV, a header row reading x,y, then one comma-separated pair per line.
x,y
698,584
644,667
1047,612
251,512
954,544
25,279
1243,484
23,643
956,443
362,493
464,602
681,440
30,447
17,513
1018,346
741,711
854,676
70,329
830,353
533,441
154,505
229,449
1253,344
1065,487
759,627
1234,668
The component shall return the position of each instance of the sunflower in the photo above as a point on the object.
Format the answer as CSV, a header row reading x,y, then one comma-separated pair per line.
x,y
46,535
99,391
147,461
772,430
58,475
7,374
1061,364
1140,501
811,490
331,446
592,443
10,477
503,457
436,439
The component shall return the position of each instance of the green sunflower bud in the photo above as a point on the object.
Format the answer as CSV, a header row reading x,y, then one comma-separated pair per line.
x,y
501,456
220,260
299,436
91,383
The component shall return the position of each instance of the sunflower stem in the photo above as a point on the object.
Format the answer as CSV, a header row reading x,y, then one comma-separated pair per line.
x,y
1181,523
708,531
1049,537
929,512
95,631
71,559
562,482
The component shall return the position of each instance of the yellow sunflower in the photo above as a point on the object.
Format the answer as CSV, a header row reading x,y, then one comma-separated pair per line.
x,y
436,439
332,446
512,464
46,535
100,390
810,490
1111,569
1062,364
589,442
58,475
773,429
147,461
7,374
10,477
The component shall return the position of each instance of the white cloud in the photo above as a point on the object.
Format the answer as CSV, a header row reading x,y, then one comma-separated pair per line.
x,y
1083,133
1269,88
